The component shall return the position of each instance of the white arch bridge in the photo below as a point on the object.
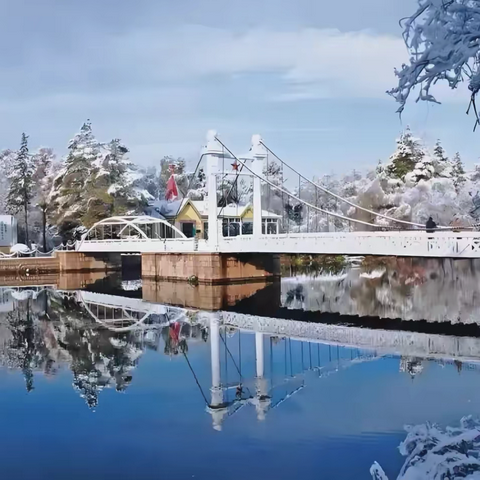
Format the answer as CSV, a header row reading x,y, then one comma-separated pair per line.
x,y
302,227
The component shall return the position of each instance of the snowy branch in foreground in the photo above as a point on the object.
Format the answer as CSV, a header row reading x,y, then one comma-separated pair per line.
x,y
443,38
434,454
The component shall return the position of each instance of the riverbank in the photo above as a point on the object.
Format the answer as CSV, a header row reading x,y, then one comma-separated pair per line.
x,y
64,261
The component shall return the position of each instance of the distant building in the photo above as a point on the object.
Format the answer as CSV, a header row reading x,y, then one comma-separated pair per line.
x,y
8,232
191,217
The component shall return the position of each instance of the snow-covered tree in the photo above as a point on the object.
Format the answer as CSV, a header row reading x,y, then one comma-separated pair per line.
x,y
439,153
349,184
44,171
442,40
272,199
404,160
114,188
6,160
442,165
229,191
75,178
150,182
21,188
458,172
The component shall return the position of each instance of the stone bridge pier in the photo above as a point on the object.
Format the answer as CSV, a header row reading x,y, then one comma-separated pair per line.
x,y
211,268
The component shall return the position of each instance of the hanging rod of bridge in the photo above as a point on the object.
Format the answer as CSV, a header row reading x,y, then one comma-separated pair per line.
x,y
342,199
292,196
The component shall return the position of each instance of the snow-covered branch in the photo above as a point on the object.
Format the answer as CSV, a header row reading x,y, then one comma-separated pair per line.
x,y
443,39
433,453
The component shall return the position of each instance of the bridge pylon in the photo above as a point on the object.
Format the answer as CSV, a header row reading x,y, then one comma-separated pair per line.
x,y
215,158
259,154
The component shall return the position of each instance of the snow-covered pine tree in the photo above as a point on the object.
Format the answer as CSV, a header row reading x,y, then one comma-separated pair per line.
x,y
271,197
439,152
405,158
149,180
458,171
6,160
197,185
113,189
21,191
442,165
69,193
44,171
227,192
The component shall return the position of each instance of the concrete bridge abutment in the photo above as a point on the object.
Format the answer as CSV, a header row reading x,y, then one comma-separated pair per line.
x,y
71,261
211,268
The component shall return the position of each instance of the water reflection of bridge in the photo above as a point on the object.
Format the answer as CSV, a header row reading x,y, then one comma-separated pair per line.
x,y
285,351
254,360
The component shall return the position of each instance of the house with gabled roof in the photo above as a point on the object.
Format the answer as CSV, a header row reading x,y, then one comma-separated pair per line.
x,y
191,217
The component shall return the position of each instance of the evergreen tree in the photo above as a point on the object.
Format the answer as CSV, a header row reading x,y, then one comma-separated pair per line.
x,y
439,153
43,162
150,181
115,163
6,160
20,191
408,153
272,199
197,185
69,187
458,171
113,189
458,165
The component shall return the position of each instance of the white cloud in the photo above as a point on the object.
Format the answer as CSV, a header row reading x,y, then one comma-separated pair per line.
x,y
311,62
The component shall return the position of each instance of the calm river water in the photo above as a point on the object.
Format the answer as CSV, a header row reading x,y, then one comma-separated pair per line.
x,y
314,377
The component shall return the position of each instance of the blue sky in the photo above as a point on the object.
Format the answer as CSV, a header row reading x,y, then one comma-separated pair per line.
x,y
309,76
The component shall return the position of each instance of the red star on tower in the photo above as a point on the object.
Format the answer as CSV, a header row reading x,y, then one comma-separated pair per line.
x,y
235,166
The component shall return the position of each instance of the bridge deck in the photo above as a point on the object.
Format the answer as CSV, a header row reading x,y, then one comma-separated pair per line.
x,y
395,243
385,342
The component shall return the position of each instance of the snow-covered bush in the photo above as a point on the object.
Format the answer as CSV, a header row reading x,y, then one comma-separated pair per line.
x,y
433,453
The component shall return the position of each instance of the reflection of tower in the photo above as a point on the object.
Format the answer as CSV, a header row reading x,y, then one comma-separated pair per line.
x,y
411,365
217,407
262,400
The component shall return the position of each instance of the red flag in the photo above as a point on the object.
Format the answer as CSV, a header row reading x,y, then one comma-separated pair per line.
x,y
172,191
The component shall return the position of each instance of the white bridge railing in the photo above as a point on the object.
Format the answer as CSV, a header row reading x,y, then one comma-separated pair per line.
x,y
398,243
146,234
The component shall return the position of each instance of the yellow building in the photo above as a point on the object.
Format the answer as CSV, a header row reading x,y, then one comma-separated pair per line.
x,y
192,219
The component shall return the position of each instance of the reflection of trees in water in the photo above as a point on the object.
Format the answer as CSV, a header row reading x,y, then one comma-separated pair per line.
x,y
50,331
314,265
295,296
26,349
406,288
411,365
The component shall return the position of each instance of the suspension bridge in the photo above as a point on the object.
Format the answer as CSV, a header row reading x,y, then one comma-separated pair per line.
x,y
285,352
257,361
303,226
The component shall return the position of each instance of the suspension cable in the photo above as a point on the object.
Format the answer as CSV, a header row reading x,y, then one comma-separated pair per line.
x,y
338,197
321,210
196,379
227,350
